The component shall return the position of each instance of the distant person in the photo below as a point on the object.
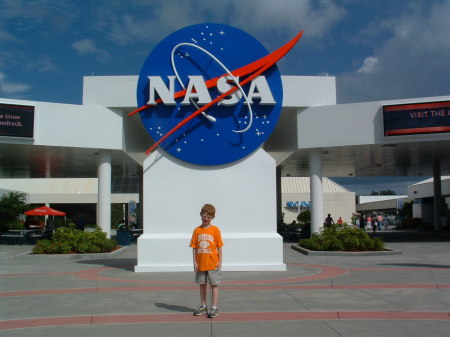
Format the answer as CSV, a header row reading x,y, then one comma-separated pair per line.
x,y
122,227
354,220
293,224
369,222
49,224
379,221
385,222
340,222
328,221
362,222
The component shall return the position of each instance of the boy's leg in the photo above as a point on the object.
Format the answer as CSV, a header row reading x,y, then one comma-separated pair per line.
x,y
214,311
215,295
203,294
214,279
201,279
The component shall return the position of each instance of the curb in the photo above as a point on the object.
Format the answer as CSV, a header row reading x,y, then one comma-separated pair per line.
x,y
337,253
28,255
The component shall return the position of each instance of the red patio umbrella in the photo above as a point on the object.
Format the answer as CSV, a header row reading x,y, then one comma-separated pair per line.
x,y
44,210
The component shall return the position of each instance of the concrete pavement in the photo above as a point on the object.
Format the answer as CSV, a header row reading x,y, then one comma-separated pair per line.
x,y
393,295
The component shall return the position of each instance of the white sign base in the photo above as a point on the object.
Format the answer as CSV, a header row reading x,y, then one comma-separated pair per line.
x,y
244,194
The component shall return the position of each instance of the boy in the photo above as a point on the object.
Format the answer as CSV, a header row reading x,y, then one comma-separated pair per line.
x,y
207,255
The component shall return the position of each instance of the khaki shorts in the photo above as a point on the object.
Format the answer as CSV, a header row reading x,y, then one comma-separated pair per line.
x,y
211,276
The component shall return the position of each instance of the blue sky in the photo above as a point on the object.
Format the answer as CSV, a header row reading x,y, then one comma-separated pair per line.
x,y
376,49
365,185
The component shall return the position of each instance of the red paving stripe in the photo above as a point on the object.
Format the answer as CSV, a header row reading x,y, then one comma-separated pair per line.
x,y
92,290
324,272
223,317
36,274
223,288
398,269
94,273
40,322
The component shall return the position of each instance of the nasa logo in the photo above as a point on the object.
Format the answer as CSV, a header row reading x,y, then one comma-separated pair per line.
x,y
210,94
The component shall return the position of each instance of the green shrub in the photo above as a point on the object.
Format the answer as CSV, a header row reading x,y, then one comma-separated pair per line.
x,y
69,240
411,223
13,224
304,217
42,247
342,239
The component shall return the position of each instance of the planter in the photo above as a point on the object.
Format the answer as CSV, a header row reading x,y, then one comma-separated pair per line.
x,y
343,253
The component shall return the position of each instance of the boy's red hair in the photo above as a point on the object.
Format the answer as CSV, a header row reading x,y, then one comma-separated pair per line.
x,y
208,208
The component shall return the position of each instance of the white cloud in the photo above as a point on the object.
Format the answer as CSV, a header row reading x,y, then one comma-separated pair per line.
x,y
6,37
87,47
265,19
315,17
369,65
8,87
43,64
413,62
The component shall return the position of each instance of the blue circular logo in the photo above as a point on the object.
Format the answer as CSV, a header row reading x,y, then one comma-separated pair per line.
x,y
209,94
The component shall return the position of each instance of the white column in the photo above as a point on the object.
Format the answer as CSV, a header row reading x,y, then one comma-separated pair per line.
x,y
316,190
104,192
437,192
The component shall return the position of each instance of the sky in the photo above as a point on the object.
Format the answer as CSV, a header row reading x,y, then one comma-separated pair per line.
x,y
376,49
367,185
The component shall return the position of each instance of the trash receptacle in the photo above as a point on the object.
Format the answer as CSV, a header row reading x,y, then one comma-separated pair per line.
x,y
123,238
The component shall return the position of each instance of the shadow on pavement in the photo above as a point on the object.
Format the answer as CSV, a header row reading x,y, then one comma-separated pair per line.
x,y
393,235
419,265
172,307
123,263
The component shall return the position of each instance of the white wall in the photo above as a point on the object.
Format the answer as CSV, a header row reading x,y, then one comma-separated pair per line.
x,y
244,194
356,124
69,125
336,203
425,189
298,91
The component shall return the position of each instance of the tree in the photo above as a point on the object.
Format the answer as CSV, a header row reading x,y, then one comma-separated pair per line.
x,y
384,192
116,214
304,217
12,205
406,211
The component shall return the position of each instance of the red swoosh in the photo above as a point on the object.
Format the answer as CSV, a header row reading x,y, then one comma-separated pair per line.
x,y
245,70
263,64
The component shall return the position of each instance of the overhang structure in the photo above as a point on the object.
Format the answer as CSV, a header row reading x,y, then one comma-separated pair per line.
x,y
315,137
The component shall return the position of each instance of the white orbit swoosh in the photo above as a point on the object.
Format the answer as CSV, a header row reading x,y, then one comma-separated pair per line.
x,y
224,68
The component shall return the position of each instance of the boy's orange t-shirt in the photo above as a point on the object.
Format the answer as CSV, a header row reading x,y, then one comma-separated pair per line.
x,y
207,241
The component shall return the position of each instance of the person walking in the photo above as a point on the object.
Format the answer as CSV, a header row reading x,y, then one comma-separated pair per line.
x,y
328,221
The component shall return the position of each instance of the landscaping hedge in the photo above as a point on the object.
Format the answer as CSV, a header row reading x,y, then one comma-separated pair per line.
x,y
73,241
346,238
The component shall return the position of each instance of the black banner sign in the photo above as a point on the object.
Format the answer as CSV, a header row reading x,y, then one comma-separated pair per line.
x,y
416,118
16,120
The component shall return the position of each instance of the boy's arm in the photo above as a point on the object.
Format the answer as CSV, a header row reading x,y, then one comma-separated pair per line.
x,y
220,257
194,256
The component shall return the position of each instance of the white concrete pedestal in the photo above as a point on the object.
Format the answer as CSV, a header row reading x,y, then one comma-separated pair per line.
x,y
244,194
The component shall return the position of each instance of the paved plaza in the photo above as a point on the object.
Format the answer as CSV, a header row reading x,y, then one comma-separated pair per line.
x,y
407,294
